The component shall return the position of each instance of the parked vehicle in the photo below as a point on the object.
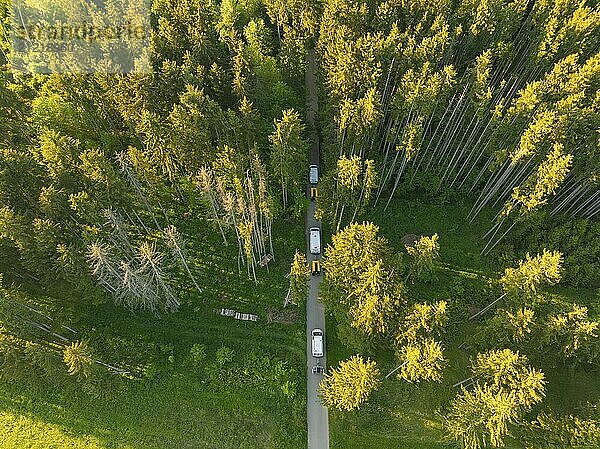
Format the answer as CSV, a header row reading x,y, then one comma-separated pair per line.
x,y
315,268
317,343
315,241
318,369
313,174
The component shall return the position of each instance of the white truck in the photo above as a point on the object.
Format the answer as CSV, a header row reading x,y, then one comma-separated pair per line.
x,y
315,241
317,343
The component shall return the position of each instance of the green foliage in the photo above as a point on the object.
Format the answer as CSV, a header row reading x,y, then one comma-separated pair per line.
x,y
534,192
431,90
573,332
354,339
549,431
78,358
505,389
289,151
481,417
349,385
352,251
423,320
577,239
423,360
198,354
299,275
422,356
352,186
360,286
224,356
424,252
507,370
545,268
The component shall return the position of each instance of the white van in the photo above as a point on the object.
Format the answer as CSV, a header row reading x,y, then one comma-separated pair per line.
x,y
313,174
317,343
315,241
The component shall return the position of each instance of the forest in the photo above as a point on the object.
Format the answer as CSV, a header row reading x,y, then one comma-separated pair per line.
x,y
459,194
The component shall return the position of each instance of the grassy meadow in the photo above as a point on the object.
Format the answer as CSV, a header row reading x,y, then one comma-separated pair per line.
x,y
253,395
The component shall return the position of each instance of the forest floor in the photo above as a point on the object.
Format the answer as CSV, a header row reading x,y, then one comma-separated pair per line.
x,y
407,415
178,404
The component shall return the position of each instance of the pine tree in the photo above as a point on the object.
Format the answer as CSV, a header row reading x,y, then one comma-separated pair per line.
x,y
422,361
481,417
360,286
77,356
534,192
545,268
520,323
299,275
424,252
508,370
288,152
374,304
348,386
549,431
573,332
505,389
422,321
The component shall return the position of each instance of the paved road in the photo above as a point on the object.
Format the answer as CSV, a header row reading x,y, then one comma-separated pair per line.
x,y
318,426
317,418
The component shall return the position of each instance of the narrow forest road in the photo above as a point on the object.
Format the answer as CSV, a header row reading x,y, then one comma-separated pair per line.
x,y
317,417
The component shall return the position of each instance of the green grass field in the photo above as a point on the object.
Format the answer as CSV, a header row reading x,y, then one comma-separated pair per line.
x,y
178,406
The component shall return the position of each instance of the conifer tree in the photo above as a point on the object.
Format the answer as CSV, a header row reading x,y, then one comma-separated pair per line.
x,y
505,389
349,385
424,252
299,274
573,332
288,152
520,323
423,360
481,417
423,320
77,356
360,286
545,268
549,431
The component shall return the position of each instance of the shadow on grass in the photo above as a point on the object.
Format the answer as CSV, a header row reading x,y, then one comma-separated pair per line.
x,y
174,413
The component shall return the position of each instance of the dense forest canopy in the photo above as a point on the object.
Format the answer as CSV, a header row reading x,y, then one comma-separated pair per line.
x,y
110,184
